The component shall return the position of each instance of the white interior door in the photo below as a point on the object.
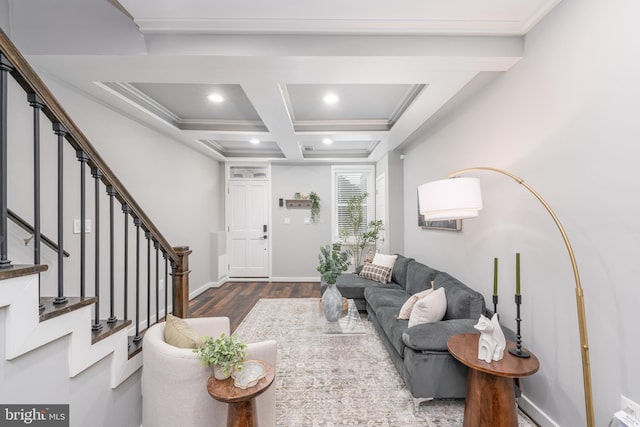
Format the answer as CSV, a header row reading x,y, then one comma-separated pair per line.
x,y
381,210
248,233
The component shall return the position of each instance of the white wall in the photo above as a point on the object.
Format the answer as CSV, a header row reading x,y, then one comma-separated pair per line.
x,y
391,165
566,120
295,246
179,189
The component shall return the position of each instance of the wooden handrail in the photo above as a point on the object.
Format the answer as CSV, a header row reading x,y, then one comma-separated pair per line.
x,y
30,82
28,227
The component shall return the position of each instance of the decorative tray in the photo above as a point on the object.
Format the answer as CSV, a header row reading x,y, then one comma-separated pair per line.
x,y
252,371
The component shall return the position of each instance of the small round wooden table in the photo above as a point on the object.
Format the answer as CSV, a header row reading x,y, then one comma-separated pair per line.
x,y
242,406
490,399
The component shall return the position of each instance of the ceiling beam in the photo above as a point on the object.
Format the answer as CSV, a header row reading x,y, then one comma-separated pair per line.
x,y
267,98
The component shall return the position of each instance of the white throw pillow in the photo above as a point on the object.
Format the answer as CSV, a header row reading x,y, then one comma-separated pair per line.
x,y
384,260
405,310
429,309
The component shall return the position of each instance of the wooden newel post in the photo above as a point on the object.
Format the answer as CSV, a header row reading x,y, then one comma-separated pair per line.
x,y
181,282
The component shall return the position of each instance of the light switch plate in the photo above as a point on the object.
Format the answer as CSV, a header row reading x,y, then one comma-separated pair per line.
x,y
76,226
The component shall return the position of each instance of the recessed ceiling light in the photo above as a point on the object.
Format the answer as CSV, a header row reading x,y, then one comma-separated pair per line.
x,y
254,141
331,98
215,97
327,141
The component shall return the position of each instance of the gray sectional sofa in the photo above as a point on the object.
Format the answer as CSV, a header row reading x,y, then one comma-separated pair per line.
x,y
419,353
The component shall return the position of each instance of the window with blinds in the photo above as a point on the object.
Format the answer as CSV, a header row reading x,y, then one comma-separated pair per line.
x,y
349,182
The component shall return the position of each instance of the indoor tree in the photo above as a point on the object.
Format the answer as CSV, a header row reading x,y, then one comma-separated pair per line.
x,y
355,233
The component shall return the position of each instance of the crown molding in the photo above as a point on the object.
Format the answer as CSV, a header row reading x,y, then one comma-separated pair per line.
x,y
335,26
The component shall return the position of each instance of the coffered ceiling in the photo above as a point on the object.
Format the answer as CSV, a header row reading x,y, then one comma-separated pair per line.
x,y
392,68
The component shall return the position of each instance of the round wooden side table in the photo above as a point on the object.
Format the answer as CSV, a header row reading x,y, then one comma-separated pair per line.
x,y
242,406
490,399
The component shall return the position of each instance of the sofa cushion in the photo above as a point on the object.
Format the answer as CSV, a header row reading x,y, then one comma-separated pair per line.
x,y
462,301
386,297
399,273
434,336
428,309
419,277
375,272
353,286
393,328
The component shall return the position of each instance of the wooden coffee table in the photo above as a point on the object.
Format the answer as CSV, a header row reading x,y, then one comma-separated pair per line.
x,y
242,406
490,397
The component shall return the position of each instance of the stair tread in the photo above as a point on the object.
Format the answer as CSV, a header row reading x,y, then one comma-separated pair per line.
x,y
52,310
135,347
19,270
108,329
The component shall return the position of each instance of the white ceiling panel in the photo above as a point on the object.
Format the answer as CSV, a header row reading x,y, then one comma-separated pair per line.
x,y
393,65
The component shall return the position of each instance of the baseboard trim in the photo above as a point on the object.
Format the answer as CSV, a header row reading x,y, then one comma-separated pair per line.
x,y
295,279
219,283
535,413
206,286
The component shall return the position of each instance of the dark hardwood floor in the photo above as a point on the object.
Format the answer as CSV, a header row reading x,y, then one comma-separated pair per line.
x,y
236,299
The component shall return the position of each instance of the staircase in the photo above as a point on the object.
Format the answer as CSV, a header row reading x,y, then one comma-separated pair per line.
x,y
86,309
24,330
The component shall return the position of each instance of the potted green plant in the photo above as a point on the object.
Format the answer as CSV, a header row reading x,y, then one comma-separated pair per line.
x,y
225,353
315,207
333,261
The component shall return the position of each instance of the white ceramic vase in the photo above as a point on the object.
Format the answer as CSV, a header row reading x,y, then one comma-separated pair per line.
x,y
219,374
332,303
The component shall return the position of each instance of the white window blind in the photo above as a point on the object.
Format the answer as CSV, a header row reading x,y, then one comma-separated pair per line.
x,y
350,181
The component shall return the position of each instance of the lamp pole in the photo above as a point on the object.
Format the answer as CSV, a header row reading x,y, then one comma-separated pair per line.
x,y
582,321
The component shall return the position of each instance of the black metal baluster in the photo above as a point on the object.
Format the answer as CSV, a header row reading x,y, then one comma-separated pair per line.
x,y
111,191
156,246
174,268
126,210
5,68
137,223
37,104
147,235
61,131
95,172
83,159
166,283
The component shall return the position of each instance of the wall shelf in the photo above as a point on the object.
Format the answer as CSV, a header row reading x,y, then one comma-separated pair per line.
x,y
298,203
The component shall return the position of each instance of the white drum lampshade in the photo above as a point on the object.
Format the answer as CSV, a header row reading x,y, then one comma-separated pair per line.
x,y
453,198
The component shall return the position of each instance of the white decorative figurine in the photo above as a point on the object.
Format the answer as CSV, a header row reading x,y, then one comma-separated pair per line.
x,y
492,342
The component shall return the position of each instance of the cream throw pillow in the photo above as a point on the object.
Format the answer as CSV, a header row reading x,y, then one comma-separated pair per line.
x,y
384,260
178,333
429,309
407,307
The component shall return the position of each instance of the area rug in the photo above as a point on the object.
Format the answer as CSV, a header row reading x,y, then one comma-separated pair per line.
x,y
339,380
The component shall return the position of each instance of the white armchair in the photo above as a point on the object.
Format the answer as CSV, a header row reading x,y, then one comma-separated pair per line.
x,y
174,382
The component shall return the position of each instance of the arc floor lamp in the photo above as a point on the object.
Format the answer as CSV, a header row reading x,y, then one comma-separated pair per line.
x,y
461,198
